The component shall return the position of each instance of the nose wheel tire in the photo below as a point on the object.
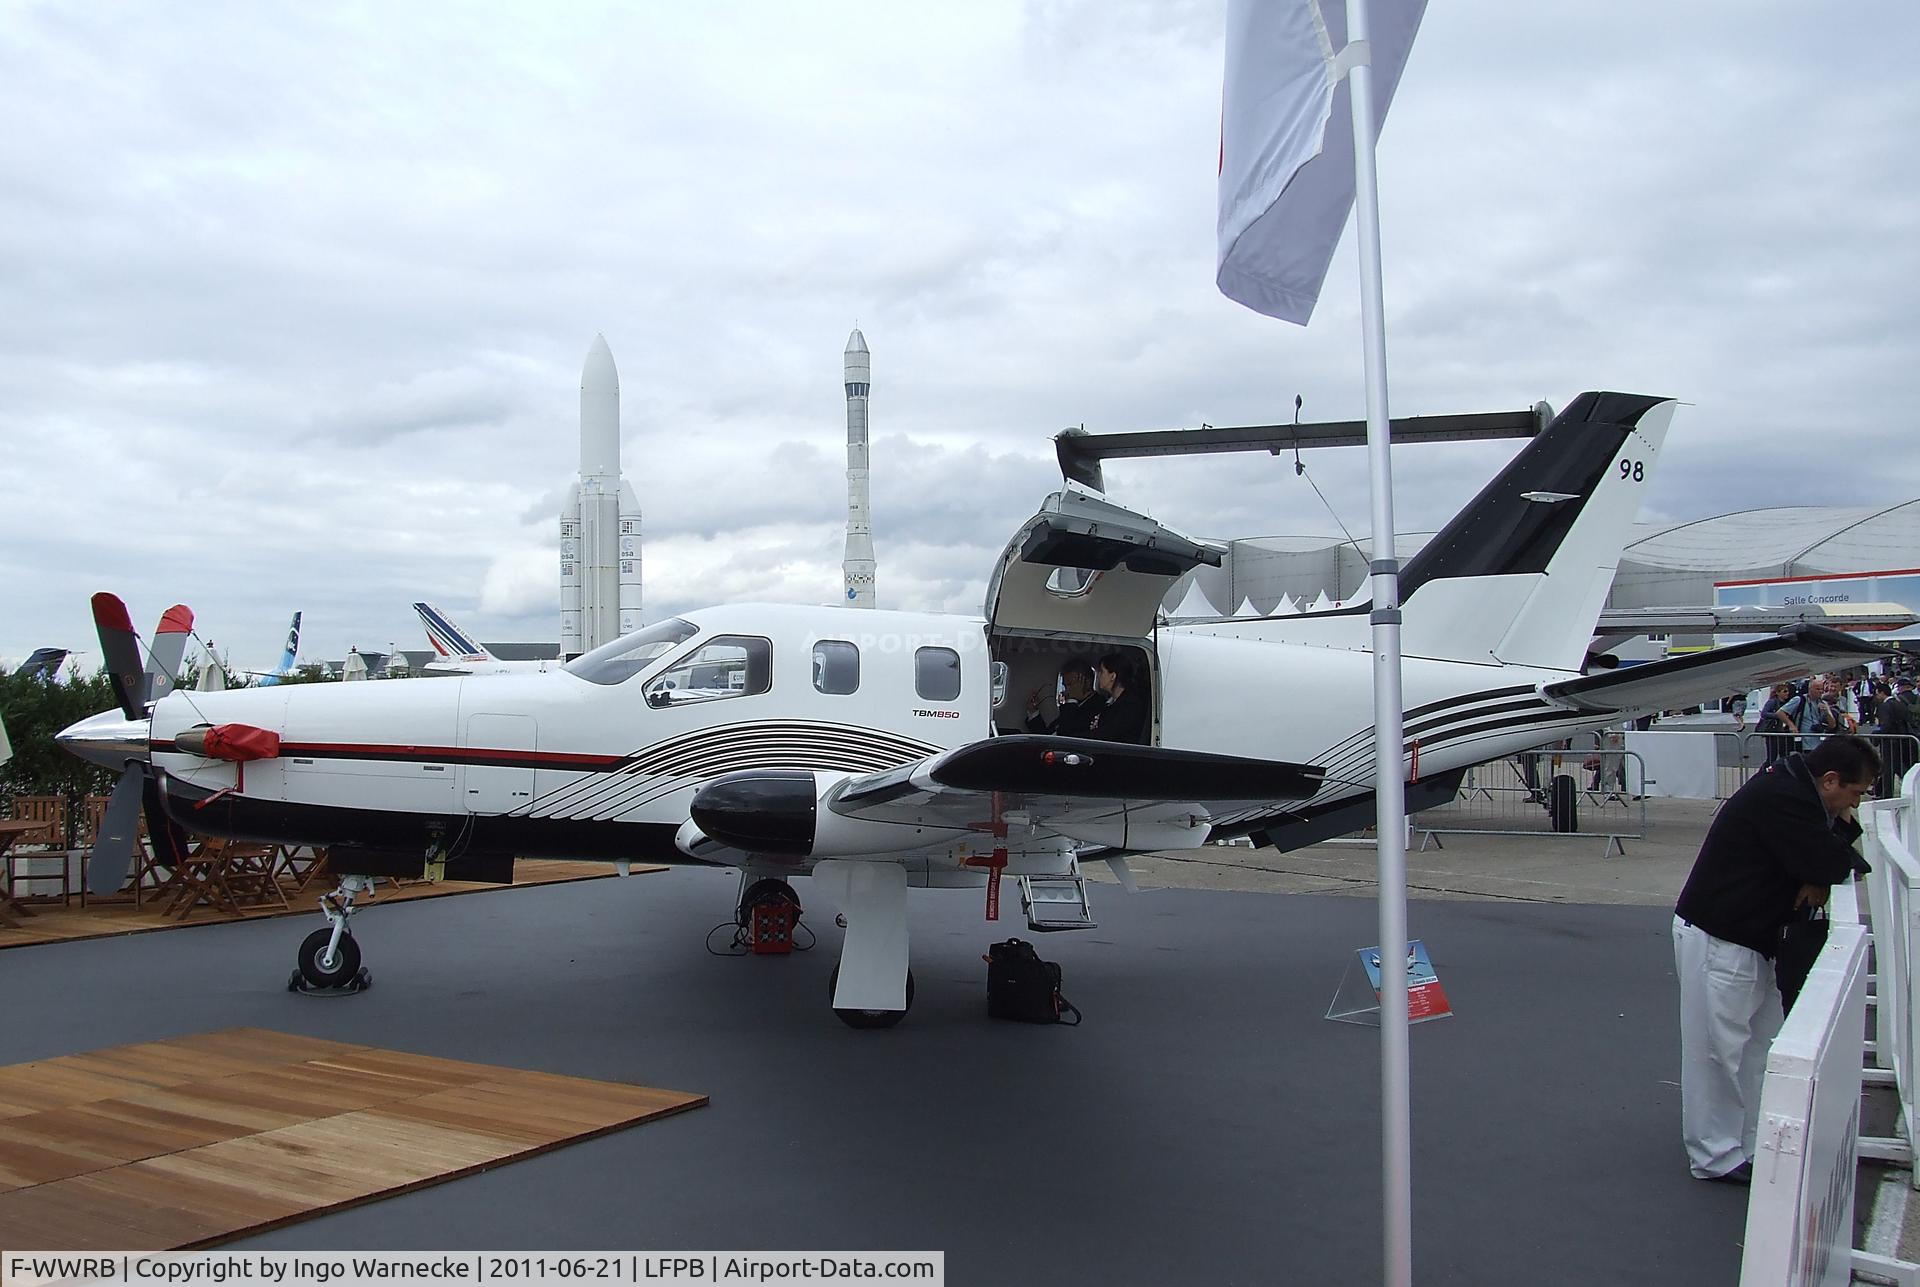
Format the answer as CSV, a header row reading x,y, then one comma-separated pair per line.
x,y
870,1018
768,890
322,973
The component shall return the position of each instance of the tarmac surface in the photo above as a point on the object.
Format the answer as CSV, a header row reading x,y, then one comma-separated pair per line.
x,y
1205,1124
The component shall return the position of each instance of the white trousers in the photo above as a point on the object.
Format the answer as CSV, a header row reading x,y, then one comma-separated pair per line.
x,y
1729,1015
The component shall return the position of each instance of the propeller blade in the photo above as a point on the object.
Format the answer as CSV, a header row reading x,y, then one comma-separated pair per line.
x,y
122,652
169,648
168,838
113,848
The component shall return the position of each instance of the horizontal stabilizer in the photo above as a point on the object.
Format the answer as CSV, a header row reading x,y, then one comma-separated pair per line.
x,y
1685,681
1625,623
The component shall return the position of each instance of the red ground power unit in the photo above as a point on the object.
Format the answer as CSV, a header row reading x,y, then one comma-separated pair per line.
x,y
771,925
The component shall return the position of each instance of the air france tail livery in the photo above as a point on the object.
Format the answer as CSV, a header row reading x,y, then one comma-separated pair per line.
x,y
876,751
458,653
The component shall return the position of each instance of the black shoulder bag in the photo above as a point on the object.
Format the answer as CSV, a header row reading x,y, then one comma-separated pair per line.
x,y
1800,942
1023,987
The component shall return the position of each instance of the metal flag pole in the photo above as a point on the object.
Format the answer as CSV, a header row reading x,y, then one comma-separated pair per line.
x,y
1390,817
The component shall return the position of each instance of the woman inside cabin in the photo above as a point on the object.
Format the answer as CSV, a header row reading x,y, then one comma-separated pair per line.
x,y
1126,716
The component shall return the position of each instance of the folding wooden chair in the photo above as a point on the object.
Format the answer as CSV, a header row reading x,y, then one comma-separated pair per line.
x,y
251,876
41,860
202,878
299,866
153,877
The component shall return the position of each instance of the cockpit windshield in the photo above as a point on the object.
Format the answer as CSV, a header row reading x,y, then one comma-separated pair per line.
x,y
628,655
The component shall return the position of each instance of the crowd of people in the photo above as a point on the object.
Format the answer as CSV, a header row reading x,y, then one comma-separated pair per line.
x,y
1798,717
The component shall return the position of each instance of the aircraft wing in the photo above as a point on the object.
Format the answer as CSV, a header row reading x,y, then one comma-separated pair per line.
x,y
1110,793
1683,681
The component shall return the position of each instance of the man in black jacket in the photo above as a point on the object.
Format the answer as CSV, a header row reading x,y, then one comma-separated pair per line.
x,y
1078,703
1776,846
1896,722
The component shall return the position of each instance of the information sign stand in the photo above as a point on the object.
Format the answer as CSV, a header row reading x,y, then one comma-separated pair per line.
x,y
1358,999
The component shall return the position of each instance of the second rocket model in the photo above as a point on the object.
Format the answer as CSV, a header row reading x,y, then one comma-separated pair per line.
x,y
600,525
857,569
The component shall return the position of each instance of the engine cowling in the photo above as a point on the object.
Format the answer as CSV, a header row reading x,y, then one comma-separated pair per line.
x,y
767,811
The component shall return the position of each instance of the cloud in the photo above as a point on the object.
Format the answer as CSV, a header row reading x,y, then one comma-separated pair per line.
x,y
297,299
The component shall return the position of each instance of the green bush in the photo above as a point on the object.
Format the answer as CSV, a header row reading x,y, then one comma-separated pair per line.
x,y
34,710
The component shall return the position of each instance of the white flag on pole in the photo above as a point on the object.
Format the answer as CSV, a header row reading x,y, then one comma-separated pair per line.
x,y
1286,143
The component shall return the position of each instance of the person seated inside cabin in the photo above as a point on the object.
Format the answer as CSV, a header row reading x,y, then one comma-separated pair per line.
x,y
1078,703
1126,716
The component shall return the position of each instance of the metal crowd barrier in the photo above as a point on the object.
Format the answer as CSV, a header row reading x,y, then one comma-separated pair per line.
x,y
1516,797
1739,755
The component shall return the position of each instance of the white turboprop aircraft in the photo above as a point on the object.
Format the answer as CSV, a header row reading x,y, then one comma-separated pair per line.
x,y
878,750
459,653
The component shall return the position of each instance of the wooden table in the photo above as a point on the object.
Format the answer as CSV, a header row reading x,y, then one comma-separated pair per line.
x,y
12,831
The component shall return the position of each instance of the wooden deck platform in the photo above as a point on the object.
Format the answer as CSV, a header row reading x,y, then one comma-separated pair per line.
x,y
53,923
189,1142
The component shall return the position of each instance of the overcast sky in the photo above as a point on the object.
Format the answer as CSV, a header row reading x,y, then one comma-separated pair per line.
x,y
294,298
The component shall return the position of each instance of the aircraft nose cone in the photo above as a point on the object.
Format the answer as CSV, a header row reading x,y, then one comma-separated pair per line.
x,y
108,739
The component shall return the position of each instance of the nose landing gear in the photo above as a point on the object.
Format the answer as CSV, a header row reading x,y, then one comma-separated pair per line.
x,y
329,959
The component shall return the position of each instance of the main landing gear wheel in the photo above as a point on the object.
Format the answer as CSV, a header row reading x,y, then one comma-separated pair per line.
x,y
318,971
870,1018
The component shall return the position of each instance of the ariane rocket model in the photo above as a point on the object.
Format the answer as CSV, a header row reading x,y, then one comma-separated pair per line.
x,y
857,568
600,526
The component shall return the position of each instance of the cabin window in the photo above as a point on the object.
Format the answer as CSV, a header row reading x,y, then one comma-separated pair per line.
x,y
1070,583
936,674
725,666
628,655
836,666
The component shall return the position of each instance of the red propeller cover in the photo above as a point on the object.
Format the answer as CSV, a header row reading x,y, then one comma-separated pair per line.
x,y
241,742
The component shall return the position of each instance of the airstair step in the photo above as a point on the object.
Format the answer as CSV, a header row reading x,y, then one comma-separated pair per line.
x,y
1056,903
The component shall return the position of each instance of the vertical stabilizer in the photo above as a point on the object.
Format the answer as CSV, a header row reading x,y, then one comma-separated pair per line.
x,y
1519,575
448,639
288,655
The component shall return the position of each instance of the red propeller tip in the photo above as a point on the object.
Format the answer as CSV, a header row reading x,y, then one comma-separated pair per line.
x,y
110,613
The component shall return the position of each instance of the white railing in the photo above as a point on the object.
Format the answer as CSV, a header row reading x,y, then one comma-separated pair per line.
x,y
1800,1209
1893,908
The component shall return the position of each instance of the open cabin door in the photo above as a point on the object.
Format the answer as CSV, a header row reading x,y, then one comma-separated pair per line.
x,y
1086,568
1082,578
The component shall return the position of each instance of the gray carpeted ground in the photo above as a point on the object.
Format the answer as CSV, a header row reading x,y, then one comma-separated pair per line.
x,y
1204,1125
